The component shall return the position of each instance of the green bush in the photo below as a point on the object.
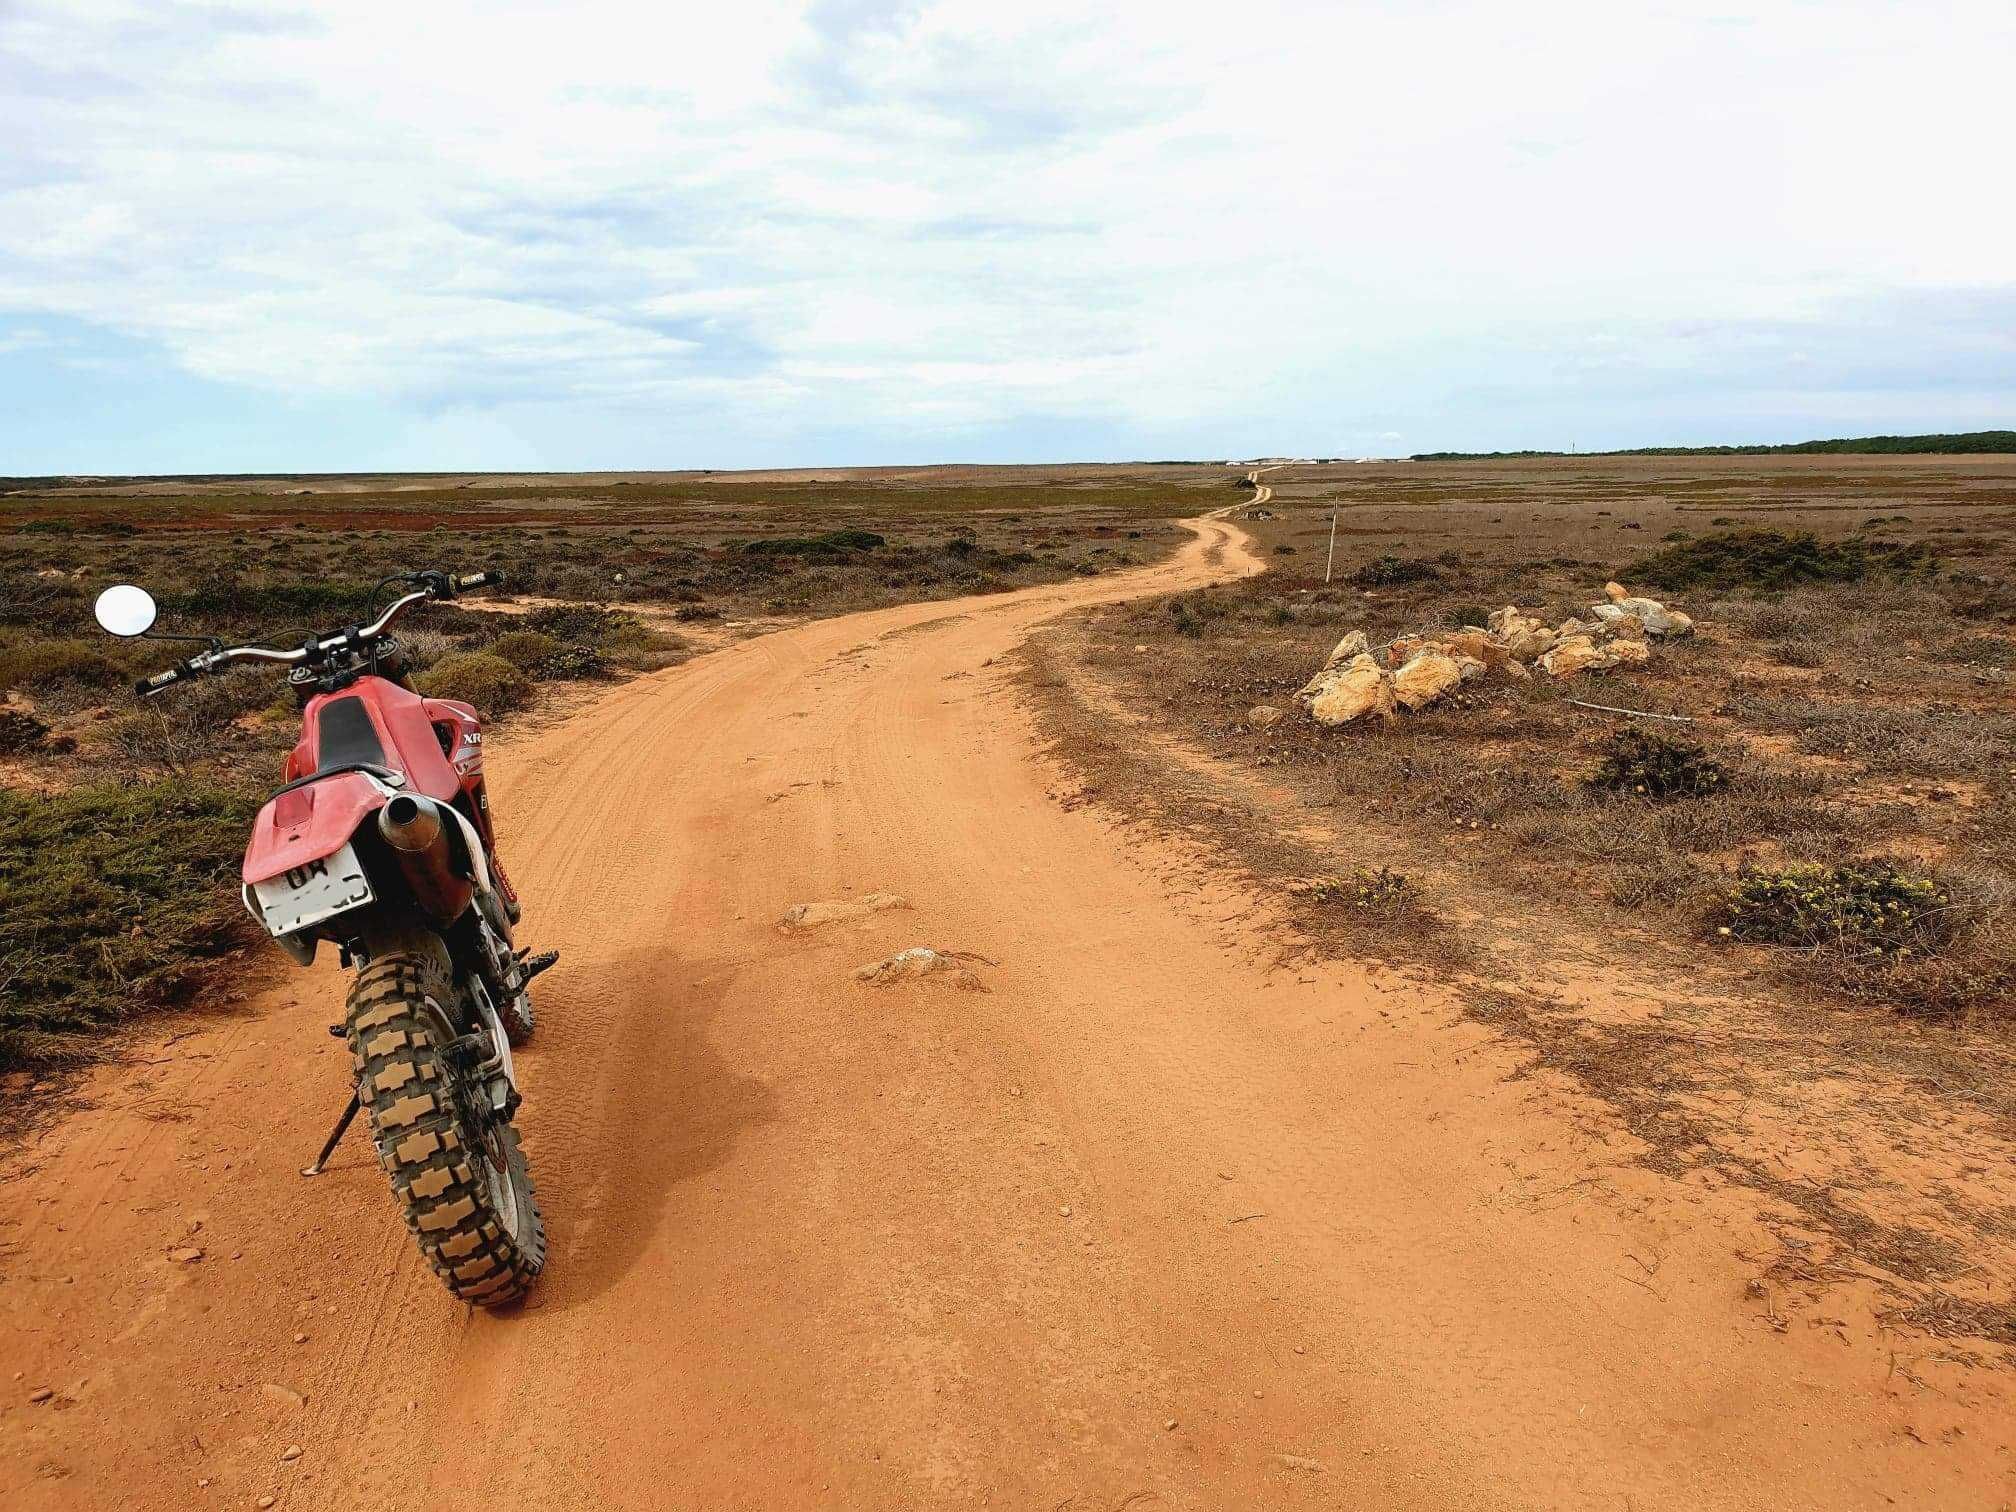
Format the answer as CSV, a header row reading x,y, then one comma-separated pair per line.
x,y
1384,891
570,663
832,544
489,682
1391,571
1773,559
314,604
1861,908
524,649
583,624
110,898
1657,767
59,664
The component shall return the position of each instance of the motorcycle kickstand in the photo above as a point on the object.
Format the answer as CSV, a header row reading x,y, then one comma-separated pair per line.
x,y
335,1136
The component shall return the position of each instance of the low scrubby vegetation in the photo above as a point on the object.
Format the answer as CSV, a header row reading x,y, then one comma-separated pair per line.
x,y
524,649
1657,767
1380,890
113,897
1388,571
1857,908
1893,731
1773,559
834,543
45,665
493,685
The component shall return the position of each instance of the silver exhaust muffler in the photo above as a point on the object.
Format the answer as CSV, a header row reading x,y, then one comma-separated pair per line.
x,y
416,831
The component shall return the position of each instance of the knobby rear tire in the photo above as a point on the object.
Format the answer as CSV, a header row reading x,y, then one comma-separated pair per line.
x,y
439,1166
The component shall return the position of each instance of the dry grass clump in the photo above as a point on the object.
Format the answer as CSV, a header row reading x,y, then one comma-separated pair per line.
x,y
1929,740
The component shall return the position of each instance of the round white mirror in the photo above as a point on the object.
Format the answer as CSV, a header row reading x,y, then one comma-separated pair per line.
x,y
125,610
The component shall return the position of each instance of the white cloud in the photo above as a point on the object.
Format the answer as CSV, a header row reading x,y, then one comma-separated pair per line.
x,y
949,213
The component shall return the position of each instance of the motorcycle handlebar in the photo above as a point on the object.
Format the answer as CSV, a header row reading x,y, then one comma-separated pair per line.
x,y
436,585
147,686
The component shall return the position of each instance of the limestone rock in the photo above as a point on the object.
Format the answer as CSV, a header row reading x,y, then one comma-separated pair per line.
x,y
1653,615
1345,651
1576,653
1523,637
1262,717
1363,687
1351,647
1621,625
1426,678
802,916
921,963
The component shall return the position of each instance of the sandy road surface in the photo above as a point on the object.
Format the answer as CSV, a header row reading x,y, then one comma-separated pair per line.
x,y
1152,1223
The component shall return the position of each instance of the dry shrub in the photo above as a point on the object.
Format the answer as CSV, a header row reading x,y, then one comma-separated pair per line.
x,y
1385,892
571,663
1778,559
1658,767
1392,571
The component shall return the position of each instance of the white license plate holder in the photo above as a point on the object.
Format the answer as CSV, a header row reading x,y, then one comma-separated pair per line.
x,y
305,895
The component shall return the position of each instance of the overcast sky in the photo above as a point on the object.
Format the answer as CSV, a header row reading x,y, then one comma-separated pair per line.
x,y
438,234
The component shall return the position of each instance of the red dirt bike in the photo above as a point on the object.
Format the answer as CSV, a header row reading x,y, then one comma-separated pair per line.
x,y
380,842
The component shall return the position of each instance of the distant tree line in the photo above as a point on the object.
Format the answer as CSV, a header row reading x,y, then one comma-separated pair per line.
x,y
1944,445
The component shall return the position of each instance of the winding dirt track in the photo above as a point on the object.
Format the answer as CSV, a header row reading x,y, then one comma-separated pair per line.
x,y
1152,1223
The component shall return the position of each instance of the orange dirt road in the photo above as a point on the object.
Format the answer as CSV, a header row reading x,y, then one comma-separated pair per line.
x,y
1155,1222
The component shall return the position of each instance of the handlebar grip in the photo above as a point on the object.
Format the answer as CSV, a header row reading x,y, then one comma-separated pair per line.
x,y
151,685
490,579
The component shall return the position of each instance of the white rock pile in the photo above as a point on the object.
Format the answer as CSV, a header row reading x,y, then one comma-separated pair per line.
x,y
1419,669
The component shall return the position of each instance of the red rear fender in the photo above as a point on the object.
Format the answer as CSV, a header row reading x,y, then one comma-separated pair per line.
x,y
309,823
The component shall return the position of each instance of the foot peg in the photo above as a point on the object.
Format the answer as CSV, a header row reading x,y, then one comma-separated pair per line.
x,y
530,966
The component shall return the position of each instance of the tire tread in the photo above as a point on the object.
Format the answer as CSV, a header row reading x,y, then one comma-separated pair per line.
x,y
416,1129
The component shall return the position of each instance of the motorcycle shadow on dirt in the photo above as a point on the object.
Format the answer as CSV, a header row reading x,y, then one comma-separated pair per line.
x,y
628,1102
